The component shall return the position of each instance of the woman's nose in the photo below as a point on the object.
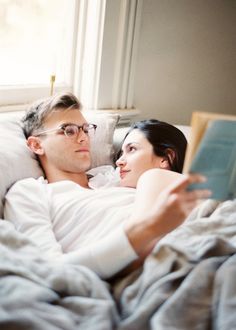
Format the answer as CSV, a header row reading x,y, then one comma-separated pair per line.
x,y
120,161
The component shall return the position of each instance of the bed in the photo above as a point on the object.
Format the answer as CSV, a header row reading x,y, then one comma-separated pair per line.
x,y
188,281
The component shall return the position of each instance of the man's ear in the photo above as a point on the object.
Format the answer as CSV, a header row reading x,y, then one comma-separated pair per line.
x,y
35,145
166,160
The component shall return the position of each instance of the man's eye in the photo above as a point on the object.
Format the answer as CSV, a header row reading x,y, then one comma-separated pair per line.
x,y
70,131
86,128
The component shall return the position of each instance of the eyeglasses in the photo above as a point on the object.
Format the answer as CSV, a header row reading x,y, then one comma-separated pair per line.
x,y
71,130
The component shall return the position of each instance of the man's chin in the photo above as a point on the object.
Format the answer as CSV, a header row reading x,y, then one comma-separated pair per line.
x,y
85,163
87,166
82,166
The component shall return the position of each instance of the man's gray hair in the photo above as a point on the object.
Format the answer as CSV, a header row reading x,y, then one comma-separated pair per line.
x,y
41,109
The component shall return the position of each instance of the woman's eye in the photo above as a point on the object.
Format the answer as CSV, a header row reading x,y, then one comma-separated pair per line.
x,y
131,149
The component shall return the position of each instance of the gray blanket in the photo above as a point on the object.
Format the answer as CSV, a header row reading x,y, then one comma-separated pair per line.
x,y
188,282
37,295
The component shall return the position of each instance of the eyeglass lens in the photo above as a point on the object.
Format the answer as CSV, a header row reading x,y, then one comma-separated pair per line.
x,y
74,130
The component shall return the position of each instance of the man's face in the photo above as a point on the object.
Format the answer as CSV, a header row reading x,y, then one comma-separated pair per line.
x,y
71,155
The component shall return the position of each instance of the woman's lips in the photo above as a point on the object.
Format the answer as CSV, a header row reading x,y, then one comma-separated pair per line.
x,y
123,173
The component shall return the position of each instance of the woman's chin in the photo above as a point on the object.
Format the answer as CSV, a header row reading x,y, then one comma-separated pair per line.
x,y
127,183
122,183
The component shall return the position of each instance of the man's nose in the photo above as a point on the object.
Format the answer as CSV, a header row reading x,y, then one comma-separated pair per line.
x,y
82,136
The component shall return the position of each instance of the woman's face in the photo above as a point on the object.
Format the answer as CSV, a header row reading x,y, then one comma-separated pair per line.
x,y
137,157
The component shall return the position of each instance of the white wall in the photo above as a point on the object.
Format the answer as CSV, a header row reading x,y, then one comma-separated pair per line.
x,y
186,59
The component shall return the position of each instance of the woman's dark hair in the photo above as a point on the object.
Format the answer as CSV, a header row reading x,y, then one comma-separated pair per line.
x,y
164,137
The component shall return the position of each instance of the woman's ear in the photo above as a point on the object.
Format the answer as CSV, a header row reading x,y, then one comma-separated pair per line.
x,y
167,160
35,145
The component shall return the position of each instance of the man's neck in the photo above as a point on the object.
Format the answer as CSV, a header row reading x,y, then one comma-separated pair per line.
x,y
79,178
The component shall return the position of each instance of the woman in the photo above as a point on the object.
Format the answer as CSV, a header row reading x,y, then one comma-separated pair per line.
x,y
151,159
151,144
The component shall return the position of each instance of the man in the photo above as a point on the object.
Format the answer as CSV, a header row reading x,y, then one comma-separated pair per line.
x,y
71,223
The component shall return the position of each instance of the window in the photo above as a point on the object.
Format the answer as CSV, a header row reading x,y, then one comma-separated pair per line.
x,y
35,45
90,45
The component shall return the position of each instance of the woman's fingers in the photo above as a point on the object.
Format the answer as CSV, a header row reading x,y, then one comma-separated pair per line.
x,y
182,184
186,180
198,194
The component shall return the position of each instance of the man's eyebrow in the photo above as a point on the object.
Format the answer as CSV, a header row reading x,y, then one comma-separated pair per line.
x,y
70,123
65,124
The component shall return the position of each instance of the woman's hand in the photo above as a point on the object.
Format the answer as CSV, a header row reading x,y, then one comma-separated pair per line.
x,y
167,211
174,203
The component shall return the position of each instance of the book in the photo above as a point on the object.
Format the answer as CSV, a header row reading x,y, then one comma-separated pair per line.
x,y
212,152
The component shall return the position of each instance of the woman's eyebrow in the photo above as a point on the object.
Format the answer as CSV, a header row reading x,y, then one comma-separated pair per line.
x,y
128,144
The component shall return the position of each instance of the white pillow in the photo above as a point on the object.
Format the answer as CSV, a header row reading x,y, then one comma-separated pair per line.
x,y
102,151
186,130
17,162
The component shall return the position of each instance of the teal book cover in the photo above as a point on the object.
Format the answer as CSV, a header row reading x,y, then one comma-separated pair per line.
x,y
215,158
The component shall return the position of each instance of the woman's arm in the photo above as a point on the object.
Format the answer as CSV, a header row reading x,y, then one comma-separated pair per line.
x,y
162,204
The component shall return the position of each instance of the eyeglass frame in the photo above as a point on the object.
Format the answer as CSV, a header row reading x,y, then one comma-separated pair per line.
x,y
63,127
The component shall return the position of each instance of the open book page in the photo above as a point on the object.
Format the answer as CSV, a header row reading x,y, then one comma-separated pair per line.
x,y
213,153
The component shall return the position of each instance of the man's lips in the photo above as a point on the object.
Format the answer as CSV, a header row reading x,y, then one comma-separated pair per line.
x,y
82,150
